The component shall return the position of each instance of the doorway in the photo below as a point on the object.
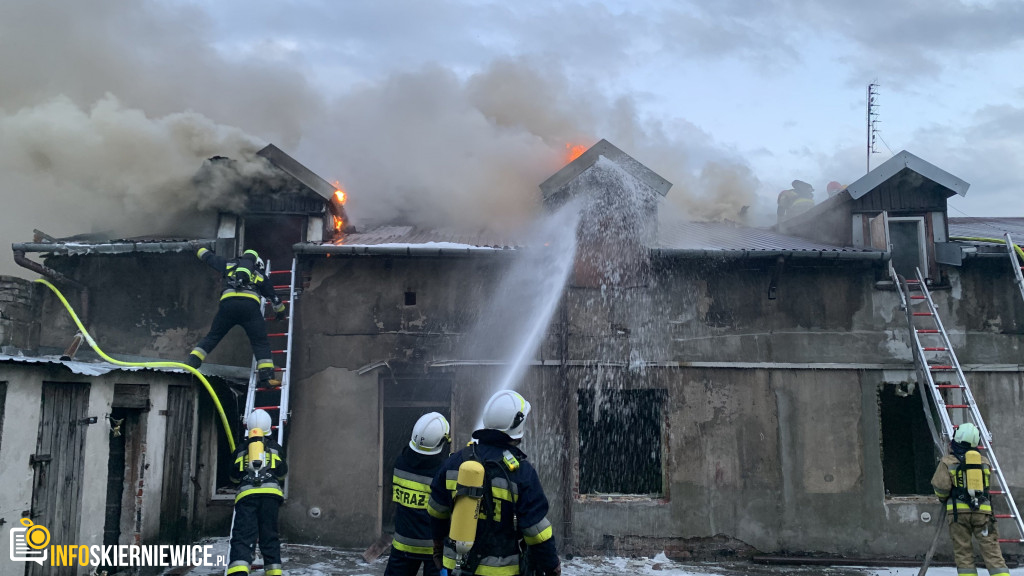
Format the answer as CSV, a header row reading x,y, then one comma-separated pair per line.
x,y
405,399
58,465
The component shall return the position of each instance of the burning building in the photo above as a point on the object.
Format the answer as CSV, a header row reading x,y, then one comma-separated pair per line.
x,y
699,387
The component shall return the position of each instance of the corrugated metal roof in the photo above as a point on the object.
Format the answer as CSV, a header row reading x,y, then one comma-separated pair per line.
x,y
728,236
987,228
413,235
112,247
725,237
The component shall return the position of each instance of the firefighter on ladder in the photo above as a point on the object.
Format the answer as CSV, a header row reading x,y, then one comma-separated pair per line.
x,y
961,481
244,285
489,509
412,543
259,470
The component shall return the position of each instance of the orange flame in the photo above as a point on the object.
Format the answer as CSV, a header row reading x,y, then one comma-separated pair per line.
x,y
338,224
573,151
339,193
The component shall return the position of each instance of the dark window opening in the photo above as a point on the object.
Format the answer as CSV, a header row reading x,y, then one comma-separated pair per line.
x,y
410,298
908,454
620,435
908,253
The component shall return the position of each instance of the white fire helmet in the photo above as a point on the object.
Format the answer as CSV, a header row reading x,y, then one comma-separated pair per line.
x,y
506,411
258,419
429,434
969,433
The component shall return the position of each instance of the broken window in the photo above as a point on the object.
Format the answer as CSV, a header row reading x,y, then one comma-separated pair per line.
x,y
621,441
908,453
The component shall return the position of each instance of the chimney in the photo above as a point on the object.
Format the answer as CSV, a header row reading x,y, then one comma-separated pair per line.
x,y
618,199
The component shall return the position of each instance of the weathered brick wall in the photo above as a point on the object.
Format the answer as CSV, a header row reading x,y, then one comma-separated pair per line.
x,y
18,326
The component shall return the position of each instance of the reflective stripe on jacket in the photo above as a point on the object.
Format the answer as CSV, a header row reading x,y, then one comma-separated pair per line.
x,y
410,491
270,481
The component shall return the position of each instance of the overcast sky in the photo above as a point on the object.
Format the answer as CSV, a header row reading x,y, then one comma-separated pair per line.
x,y
440,112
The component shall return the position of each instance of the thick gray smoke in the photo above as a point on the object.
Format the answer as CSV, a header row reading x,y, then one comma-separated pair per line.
x,y
103,127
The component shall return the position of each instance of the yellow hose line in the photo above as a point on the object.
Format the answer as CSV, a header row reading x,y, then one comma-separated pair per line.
x,y
1016,248
206,383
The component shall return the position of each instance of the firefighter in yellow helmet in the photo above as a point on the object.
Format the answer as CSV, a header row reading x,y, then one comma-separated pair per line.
x,y
795,200
961,481
244,285
412,544
511,525
259,471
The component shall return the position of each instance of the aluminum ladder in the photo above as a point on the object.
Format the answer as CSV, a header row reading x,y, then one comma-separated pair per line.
x,y
929,358
274,399
1013,250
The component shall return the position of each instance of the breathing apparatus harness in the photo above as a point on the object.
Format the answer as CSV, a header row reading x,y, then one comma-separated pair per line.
x,y
486,533
258,467
242,274
969,485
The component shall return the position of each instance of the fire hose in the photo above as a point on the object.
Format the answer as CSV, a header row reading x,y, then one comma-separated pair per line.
x,y
1016,248
92,343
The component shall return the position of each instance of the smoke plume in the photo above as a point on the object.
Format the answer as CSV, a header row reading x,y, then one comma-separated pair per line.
x,y
103,128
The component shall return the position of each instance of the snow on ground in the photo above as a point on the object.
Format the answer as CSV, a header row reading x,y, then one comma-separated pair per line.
x,y
306,560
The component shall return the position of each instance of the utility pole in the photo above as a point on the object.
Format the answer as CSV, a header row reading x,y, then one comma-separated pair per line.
x,y
872,121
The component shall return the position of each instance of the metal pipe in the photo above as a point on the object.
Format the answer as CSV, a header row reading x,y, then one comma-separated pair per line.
x,y
21,260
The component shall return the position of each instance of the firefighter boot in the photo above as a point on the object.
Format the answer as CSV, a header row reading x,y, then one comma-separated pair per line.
x,y
266,377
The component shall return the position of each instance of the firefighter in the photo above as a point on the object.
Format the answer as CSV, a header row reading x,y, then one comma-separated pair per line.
x,y
968,503
244,284
513,532
795,200
259,470
834,188
412,543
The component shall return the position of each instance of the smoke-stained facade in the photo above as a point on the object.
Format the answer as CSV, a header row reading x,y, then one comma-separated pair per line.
x,y
751,390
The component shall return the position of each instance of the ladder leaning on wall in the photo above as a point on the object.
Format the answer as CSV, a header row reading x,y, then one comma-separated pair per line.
x,y
274,399
1014,252
937,357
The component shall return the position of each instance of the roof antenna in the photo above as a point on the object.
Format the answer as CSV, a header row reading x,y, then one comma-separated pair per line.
x,y
872,120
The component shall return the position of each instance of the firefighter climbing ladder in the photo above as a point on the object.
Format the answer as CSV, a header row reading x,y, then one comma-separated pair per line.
x,y
274,399
930,362
1014,250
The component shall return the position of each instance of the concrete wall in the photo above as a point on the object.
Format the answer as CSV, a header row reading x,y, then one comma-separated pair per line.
x,y
773,424
19,438
781,456
151,305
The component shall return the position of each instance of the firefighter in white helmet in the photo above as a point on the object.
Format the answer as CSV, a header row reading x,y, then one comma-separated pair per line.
x,y
259,470
961,481
512,506
415,467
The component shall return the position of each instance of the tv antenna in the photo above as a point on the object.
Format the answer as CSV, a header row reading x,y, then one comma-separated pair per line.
x,y
872,120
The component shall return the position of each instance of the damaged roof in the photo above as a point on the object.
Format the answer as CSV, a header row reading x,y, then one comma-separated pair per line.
x,y
694,239
124,246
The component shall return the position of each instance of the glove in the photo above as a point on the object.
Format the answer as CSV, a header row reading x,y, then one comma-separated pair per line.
x,y
438,555
279,313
